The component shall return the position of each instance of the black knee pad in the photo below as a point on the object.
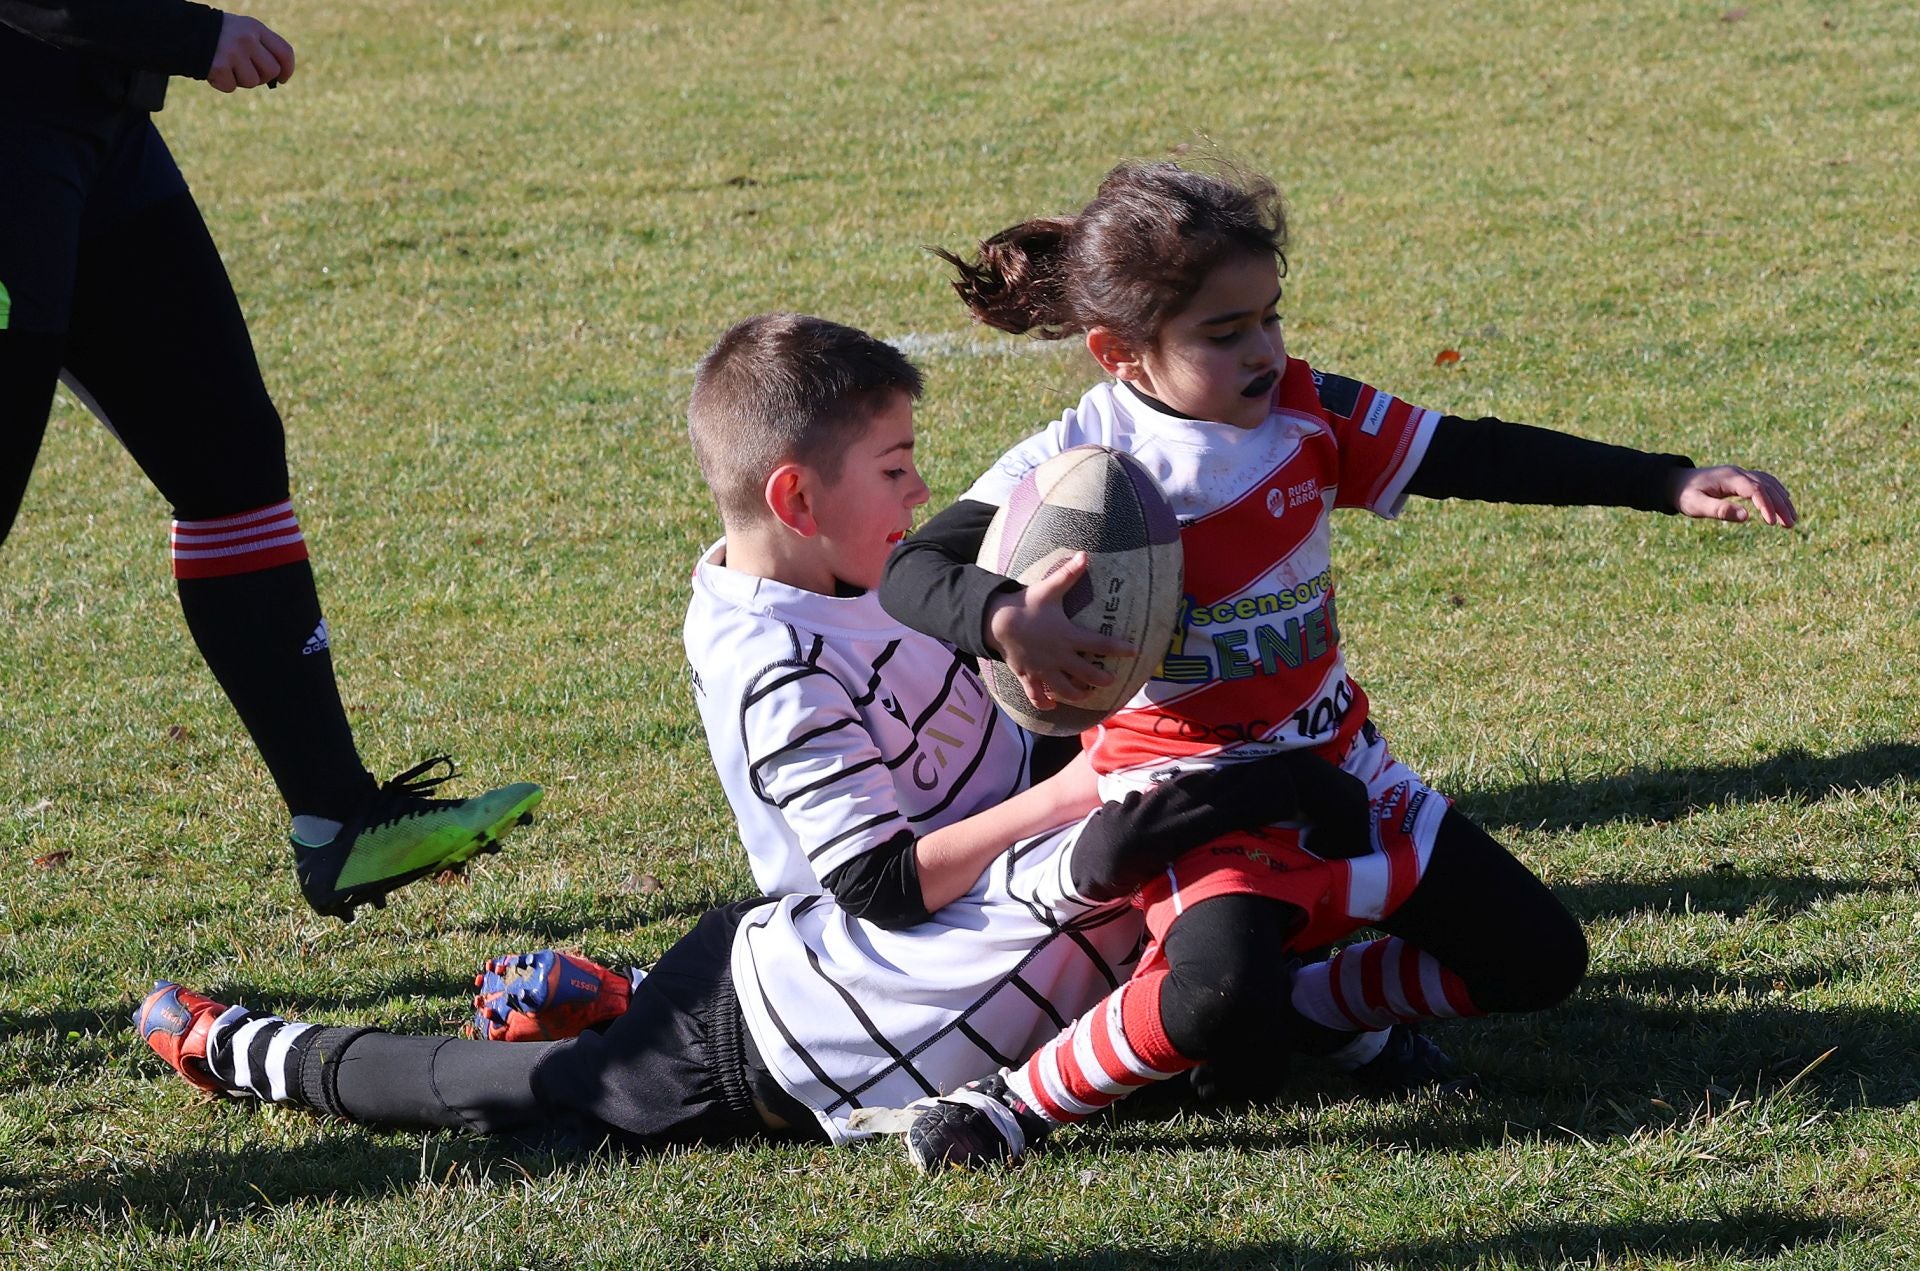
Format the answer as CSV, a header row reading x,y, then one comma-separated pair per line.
x,y
1544,970
1229,975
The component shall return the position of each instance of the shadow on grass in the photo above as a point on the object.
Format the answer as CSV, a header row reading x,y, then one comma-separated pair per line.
x,y
1611,1038
1664,794
1750,1234
1732,892
1593,1068
564,929
192,1186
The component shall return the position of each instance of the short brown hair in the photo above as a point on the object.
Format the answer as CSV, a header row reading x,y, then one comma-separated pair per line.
x,y
786,388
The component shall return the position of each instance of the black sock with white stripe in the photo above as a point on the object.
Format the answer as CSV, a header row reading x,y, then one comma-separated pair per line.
x,y
259,1054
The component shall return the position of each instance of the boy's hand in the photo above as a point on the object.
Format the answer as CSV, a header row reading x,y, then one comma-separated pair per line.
x,y
1710,494
1336,807
1046,650
248,54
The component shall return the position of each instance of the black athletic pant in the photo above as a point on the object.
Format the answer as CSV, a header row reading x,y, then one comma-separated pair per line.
x,y
108,275
1477,910
677,1067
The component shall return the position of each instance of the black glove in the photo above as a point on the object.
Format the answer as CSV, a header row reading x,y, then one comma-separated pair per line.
x,y
1334,804
1128,842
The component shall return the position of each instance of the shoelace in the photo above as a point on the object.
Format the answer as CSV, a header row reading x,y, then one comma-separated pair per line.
x,y
412,787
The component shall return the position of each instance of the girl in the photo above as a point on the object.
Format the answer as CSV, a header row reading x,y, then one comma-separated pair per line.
x,y
1173,279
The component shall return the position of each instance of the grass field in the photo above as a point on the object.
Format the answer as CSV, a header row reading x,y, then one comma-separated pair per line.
x,y
482,245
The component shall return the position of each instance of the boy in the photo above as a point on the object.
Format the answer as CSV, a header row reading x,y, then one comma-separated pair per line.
x,y
863,761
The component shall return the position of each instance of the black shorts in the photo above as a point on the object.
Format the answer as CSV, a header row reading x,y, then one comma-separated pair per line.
x,y
678,1067
69,179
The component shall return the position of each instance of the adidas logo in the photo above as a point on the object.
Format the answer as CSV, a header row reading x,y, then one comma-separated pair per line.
x,y
317,642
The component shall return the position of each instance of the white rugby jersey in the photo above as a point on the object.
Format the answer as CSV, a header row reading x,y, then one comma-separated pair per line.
x,y
833,727
1255,662
847,1015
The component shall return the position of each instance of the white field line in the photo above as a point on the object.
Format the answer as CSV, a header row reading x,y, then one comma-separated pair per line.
x,y
957,344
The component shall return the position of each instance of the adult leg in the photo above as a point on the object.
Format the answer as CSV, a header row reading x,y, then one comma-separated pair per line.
x,y
29,368
159,349
48,166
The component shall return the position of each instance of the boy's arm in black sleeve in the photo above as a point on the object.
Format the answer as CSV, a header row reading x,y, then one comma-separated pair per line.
x,y
932,585
1493,461
173,37
882,886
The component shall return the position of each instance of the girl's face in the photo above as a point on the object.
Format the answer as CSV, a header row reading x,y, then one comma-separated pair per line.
x,y
1220,357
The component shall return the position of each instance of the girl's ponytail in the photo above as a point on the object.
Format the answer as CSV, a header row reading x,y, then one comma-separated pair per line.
x,y
1018,284
1129,260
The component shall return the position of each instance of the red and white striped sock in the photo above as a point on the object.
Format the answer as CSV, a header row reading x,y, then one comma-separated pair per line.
x,y
241,544
1379,984
1114,1049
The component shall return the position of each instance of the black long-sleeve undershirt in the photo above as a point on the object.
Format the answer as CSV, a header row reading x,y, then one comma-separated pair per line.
x,y
931,584
56,54
1492,461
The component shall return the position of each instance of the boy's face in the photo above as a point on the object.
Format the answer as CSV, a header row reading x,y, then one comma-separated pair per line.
x,y
869,507
1220,357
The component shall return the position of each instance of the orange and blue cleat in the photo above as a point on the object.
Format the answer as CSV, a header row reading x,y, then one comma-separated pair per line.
x,y
181,1026
545,996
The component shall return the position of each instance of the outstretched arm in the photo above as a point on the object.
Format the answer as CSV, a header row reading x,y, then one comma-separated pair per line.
x,y
1494,461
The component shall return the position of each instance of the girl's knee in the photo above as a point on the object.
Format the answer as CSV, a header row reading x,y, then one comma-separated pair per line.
x,y
1543,972
1224,1010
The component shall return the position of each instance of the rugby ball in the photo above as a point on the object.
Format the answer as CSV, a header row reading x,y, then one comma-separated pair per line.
x,y
1102,502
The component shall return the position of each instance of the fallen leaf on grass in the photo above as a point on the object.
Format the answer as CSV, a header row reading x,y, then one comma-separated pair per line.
x,y
643,884
53,860
178,732
1446,357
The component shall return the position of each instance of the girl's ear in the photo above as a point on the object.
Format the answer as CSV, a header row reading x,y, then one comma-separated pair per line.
x,y
789,496
1113,355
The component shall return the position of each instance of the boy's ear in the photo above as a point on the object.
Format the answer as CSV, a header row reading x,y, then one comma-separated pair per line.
x,y
1113,355
789,495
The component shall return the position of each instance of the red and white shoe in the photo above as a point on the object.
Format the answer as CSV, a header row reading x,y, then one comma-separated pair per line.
x,y
180,1026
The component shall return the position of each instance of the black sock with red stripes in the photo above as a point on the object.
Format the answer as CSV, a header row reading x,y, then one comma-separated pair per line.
x,y
262,635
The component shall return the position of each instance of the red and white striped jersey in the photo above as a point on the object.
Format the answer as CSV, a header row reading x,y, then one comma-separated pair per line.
x,y
1255,663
